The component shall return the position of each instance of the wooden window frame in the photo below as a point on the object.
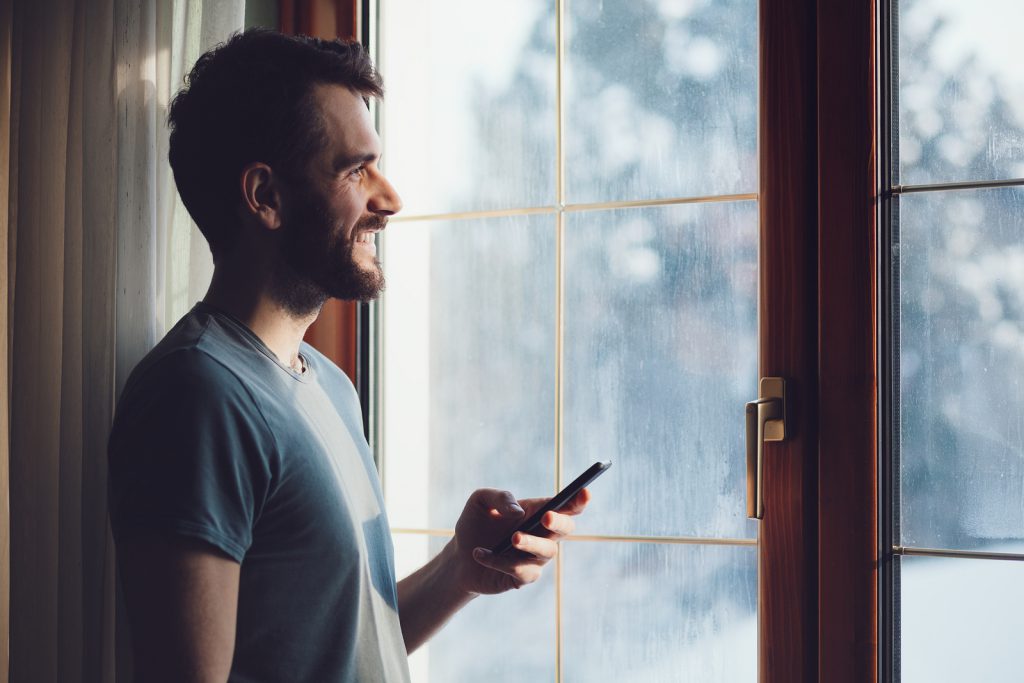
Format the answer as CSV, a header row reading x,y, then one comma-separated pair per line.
x,y
848,296
819,204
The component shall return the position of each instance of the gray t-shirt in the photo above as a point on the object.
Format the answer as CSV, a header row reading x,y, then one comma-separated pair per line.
x,y
215,439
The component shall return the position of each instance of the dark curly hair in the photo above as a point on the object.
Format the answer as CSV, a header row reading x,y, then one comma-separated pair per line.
x,y
248,100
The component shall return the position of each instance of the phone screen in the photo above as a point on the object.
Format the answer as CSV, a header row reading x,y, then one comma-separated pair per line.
x,y
556,503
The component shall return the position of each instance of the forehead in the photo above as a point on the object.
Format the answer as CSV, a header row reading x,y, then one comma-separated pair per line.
x,y
347,123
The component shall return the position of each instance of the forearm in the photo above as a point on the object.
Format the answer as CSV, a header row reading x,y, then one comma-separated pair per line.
x,y
429,597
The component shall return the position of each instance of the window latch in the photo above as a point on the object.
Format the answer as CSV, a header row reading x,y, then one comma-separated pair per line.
x,y
766,421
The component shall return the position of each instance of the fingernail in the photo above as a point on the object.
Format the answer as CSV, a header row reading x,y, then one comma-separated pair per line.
x,y
516,509
480,553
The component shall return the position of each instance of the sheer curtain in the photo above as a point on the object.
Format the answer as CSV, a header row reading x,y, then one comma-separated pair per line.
x,y
100,259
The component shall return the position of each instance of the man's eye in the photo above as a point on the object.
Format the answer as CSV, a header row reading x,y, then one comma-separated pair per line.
x,y
357,172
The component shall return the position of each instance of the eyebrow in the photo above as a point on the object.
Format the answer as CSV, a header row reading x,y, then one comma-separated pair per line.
x,y
345,162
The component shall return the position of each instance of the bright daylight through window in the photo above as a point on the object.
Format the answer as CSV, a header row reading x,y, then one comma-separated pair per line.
x,y
957,254
574,278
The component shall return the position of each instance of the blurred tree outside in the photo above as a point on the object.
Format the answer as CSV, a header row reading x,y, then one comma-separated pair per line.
x,y
961,262
660,99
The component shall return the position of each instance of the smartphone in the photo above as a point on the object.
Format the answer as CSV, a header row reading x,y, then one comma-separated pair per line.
x,y
556,503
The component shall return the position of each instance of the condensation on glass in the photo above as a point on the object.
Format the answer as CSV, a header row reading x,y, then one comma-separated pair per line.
x,y
651,296
660,99
960,91
659,613
958,267
522,345
961,264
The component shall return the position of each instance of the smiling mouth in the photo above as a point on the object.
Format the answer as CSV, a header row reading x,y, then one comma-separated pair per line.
x,y
364,242
367,229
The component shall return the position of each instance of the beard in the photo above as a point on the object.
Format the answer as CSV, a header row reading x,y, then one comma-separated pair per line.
x,y
316,260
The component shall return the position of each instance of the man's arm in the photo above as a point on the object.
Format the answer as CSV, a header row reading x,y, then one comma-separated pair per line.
x,y
429,597
182,601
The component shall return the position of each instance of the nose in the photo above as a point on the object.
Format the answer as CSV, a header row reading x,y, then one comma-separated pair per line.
x,y
384,200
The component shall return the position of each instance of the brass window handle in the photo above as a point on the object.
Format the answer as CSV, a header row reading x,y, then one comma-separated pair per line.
x,y
765,421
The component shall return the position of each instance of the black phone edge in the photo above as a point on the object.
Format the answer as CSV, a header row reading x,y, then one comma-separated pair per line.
x,y
556,503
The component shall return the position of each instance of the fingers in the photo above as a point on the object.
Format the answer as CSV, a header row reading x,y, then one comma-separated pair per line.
x,y
496,503
542,548
573,507
577,504
530,551
558,524
561,523
520,571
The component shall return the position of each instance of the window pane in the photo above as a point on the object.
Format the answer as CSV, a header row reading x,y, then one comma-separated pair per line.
x,y
961,90
470,374
660,355
470,118
653,612
961,263
506,638
661,99
961,620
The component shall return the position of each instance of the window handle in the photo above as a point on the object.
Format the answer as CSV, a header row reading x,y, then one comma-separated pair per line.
x,y
766,421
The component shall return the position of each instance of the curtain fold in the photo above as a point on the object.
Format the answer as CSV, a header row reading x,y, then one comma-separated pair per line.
x,y
37,319
98,211
100,259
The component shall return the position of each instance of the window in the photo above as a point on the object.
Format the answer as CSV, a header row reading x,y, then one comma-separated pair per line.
x,y
574,278
955,244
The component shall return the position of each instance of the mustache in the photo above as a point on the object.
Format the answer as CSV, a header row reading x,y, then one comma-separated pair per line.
x,y
373,222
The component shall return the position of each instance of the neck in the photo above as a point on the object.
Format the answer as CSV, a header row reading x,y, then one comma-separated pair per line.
x,y
243,290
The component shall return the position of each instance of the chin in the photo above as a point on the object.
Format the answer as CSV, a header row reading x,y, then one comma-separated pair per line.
x,y
362,284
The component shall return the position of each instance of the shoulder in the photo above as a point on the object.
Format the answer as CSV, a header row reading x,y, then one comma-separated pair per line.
x,y
185,371
187,391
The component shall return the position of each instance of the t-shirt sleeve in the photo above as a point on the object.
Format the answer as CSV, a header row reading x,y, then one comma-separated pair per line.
x,y
189,454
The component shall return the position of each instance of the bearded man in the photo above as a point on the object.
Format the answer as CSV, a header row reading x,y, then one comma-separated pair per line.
x,y
251,534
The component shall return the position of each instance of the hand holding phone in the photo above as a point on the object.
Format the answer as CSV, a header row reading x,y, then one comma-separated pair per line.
x,y
530,526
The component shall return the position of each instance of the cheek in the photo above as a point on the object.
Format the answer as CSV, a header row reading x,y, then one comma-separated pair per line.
x,y
346,222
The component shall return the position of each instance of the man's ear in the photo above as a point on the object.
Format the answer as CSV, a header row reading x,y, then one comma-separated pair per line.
x,y
261,196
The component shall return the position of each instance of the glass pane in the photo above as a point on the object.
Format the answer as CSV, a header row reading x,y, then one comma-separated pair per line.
x,y
660,356
657,612
961,264
961,90
470,118
506,638
660,99
469,319
961,620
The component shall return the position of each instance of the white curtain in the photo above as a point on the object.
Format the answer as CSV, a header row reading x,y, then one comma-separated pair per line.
x,y
100,259
162,258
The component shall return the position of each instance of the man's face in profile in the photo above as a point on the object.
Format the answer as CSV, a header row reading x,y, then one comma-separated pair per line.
x,y
330,217
316,246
